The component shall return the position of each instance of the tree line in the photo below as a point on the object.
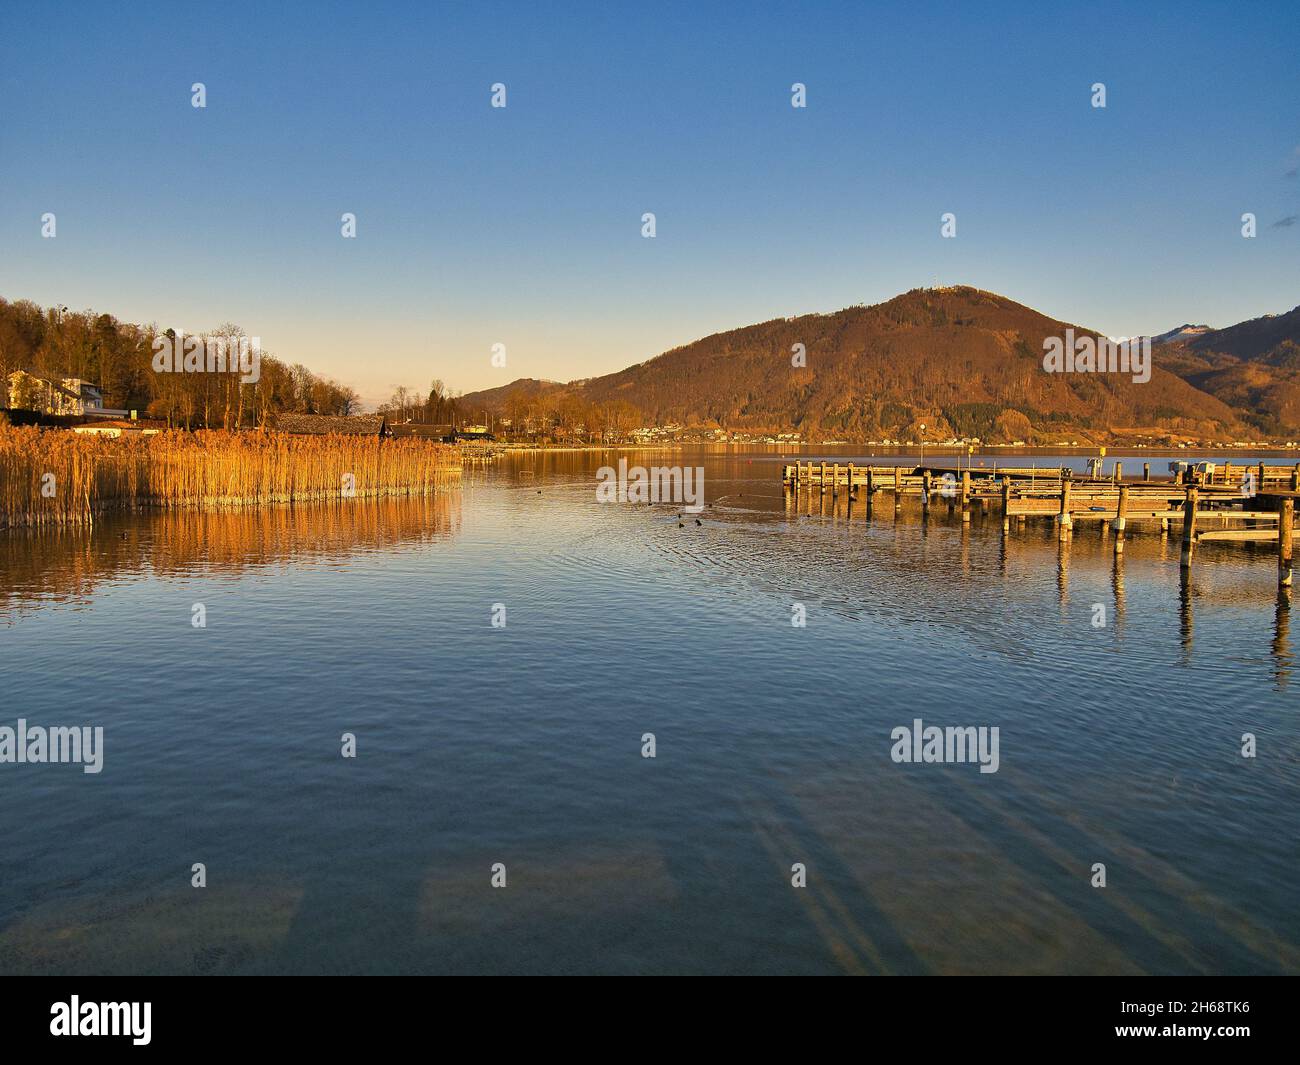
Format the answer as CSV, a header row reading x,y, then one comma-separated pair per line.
x,y
561,414
57,343
120,358
546,414
439,406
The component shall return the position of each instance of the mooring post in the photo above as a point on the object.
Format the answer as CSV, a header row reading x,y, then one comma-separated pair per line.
x,y
1259,479
871,481
1146,471
1189,529
965,496
1295,478
1119,472
835,480
1064,520
850,480
925,489
1121,517
1285,517
1006,503
822,479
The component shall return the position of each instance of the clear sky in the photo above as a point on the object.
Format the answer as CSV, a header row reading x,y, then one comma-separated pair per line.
x,y
522,225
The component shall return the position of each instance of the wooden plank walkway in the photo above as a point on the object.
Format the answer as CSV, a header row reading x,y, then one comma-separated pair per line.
x,y
1205,493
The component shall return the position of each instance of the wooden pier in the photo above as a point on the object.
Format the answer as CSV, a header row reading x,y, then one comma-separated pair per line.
x,y
1233,503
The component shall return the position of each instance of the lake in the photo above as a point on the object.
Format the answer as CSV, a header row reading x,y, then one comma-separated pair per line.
x,y
521,745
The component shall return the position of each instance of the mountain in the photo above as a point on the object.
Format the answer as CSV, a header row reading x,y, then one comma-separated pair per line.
x,y
1253,366
1254,339
960,360
1183,332
494,399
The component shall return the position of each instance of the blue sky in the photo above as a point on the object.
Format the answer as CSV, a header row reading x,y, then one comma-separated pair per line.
x,y
522,225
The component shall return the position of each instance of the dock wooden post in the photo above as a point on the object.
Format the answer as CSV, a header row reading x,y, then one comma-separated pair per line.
x,y
1006,502
871,481
1121,517
1064,520
1119,472
965,496
1285,534
1259,478
925,489
822,479
835,480
1295,478
850,480
1146,471
1189,529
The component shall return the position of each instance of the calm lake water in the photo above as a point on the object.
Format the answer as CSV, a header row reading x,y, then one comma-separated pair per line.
x,y
522,745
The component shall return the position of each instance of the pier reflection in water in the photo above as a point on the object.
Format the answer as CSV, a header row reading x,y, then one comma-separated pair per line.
x,y
1233,576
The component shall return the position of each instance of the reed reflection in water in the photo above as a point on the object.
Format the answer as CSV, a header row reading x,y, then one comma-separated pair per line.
x,y
69,563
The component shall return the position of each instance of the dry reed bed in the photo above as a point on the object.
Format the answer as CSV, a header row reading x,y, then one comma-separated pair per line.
x,y
55,477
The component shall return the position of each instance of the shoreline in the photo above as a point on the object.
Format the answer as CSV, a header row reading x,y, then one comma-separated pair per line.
x,y
786,447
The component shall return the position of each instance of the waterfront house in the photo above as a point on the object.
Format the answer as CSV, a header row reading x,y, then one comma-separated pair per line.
x,y
48,395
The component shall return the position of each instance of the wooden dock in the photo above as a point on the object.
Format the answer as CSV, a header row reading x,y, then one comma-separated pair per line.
x,y
1228,503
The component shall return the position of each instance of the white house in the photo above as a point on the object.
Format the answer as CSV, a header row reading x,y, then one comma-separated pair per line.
x,y
71,395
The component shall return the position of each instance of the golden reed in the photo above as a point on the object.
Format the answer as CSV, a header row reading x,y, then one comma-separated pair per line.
x,y
56,477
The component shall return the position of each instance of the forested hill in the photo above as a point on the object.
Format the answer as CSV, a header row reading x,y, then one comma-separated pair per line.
x,y
959,360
